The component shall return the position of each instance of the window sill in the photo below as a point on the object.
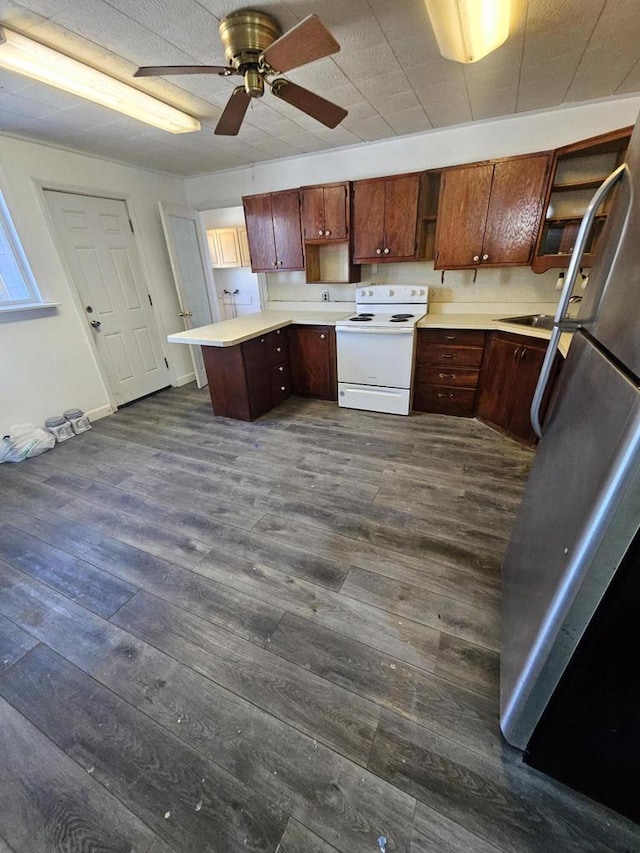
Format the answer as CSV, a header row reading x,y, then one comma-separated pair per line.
x,y
36,306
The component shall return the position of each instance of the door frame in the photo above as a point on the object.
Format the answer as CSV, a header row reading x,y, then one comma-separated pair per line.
x,y
94,192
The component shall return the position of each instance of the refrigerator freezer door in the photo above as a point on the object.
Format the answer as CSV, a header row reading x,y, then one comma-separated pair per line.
x,y
610,310
580,511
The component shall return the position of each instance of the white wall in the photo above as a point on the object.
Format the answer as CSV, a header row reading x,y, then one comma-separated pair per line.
x,y
47,361
505,137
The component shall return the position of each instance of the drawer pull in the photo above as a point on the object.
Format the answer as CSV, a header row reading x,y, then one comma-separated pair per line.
x,y
447,375
448,355
451,337
516,353
442,394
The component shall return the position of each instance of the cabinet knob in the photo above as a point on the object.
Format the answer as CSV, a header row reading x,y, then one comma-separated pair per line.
x,y
280,263
321,233
485,257
476,257
322,337
327,233
386,251
378,251
516,352
261,340
278,331
278,349
282,388
281,368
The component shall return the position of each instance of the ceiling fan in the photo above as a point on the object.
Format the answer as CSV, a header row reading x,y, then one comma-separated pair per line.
x,y
255,49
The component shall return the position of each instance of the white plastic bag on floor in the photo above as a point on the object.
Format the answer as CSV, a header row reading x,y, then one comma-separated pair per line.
x,y
24,441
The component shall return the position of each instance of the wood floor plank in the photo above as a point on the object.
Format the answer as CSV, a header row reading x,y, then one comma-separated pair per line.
x,y
409,641
160,846
181,796
182,549
236,612
425,698
458,618
328,713
471,666
338,800
49,803
97,590
298,839
14,643
505,803
434,833
52,528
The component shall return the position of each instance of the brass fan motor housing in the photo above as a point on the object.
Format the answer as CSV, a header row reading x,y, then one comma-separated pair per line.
x,y
245,35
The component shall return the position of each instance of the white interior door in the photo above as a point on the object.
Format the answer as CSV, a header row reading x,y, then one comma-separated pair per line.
x,y
191,266
97,241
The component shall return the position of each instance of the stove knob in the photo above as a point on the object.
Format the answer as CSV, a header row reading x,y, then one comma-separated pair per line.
x,y
412,293
389,292
421,293
371,293
363,293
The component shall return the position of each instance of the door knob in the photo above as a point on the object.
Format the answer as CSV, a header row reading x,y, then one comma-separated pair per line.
x,y
95,324
185,314
89,309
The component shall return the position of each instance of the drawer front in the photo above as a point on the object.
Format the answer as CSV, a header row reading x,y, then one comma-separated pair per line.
x,y
462,377
273,347
445,401
280,383
443,354
453,337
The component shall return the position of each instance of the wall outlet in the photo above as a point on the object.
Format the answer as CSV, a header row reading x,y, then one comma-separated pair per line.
x,y
325,295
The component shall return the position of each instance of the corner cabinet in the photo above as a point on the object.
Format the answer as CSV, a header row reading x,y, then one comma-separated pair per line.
x,y
508,381
391,215
578,170
312,357
274,231
489,213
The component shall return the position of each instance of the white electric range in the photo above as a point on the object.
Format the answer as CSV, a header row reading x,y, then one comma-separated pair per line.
x,y
376,348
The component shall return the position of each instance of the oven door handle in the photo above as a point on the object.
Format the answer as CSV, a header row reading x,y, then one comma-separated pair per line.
x,y
356,328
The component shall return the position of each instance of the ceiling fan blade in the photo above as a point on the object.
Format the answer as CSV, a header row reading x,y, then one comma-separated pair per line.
x,y
307,41
313,105
233,114
162,70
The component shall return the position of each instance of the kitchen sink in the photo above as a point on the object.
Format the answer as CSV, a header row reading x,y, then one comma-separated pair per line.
x,y
535,321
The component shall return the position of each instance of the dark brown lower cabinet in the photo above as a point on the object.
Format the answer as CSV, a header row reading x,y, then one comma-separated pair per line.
x,y
508,381
312,359
249,379
447,370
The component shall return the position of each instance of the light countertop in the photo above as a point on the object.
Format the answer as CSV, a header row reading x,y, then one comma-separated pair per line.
x,y
228,333
489,323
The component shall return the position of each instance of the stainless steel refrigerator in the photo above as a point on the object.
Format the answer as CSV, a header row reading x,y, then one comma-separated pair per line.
x,y
570,683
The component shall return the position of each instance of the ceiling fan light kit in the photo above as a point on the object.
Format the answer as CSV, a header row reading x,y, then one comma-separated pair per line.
x,y
24,56
256,50
468,30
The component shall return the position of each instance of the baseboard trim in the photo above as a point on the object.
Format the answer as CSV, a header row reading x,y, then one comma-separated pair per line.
x,y
185,379
100,412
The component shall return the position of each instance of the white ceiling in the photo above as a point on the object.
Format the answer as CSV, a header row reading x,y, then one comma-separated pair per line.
x,y
388,74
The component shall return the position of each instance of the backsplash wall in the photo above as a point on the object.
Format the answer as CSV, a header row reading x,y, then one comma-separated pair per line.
x,y
493,285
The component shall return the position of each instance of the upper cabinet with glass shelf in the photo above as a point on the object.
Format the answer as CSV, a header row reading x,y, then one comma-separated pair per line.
x,y
578,170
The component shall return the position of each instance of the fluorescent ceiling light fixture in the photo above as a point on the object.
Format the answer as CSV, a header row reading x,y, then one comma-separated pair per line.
x,y
467,30
35,60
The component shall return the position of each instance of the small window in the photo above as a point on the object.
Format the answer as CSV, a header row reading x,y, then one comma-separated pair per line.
x,y
17,285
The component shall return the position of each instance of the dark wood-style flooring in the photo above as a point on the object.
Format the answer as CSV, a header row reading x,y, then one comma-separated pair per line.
x,y
279,636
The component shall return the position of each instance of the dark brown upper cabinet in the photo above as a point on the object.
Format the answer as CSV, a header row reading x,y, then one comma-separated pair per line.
x,y
274,231
577,172
389,218
489,213
325,213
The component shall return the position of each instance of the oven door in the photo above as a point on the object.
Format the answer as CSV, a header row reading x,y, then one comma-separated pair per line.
x,y
375,356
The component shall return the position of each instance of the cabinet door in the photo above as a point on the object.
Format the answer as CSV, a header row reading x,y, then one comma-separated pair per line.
x,y
529,360
245,257
498,381
313,213
285,209
228,247
515,208
462,216
257,214
401,216
312,354
214,250
368,220
258,375
335,212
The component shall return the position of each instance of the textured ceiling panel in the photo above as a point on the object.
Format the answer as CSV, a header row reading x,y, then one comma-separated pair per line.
x,y
388,74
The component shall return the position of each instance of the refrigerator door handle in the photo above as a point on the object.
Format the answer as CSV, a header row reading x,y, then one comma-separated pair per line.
x,y
563,304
